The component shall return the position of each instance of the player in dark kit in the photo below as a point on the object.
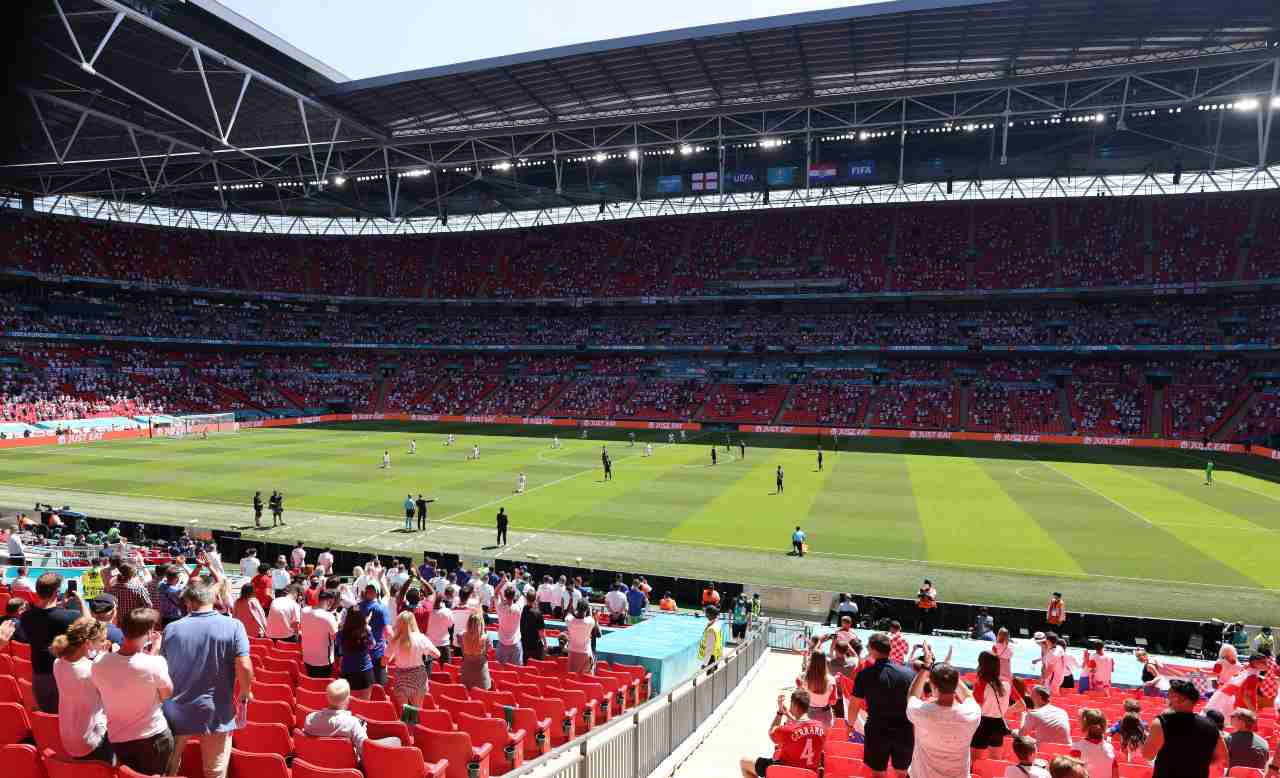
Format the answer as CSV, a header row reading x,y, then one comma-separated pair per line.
x,y
421,502
277,509
502,527
779,479
819,459
713,455
742,449
257,509
606,463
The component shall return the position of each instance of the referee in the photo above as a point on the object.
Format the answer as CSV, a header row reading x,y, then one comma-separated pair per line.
x,y
780,480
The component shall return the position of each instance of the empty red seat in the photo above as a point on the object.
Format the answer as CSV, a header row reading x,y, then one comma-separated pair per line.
x,y
258,737
564,719
314,684
334,753
304,769
783,771
396,729
21,760
63,768
191,763
268,711
272,676
405,762
454,690
246,765
458,706
436,718
125,771
9,690
988,768
44,728
20,650
843,767
15,723
464,759
381,710
594,691
586,705
312,699
274,691
507,745
28,695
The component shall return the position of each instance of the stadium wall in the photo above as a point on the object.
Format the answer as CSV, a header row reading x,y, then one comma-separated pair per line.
x,y
94,436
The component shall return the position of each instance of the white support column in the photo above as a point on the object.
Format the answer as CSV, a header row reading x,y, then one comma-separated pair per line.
x,y
244,86
902,143
1004,134
311,149
102,44
213,107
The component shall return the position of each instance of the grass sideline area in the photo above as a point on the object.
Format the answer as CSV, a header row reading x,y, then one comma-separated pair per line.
x,y
1130,531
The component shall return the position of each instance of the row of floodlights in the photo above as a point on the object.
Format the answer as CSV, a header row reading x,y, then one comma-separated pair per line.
x,y
685,150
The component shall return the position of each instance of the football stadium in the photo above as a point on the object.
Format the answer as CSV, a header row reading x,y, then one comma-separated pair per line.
x,y
741,399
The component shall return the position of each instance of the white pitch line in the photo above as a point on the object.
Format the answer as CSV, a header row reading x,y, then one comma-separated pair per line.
x,y
1083,485
514,546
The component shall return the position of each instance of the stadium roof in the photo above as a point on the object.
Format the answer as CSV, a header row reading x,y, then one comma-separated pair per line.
x,y
189,105
825,55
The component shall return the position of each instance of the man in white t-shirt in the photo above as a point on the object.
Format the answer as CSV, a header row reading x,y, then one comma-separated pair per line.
x,y
319,630
484,590
284,615
545,597
249,565
616,602
557,597
133,683
1047,723
509,650
298,556
1100,665
944,724
280,575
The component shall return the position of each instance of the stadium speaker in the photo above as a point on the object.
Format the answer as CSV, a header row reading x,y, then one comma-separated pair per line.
x,y
950,182
1177,173
766,196
602,206
444,216
28,204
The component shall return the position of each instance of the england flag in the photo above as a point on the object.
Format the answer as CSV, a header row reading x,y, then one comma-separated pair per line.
x,y
706,182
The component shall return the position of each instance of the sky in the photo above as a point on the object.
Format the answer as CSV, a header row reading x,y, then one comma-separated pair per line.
x,y
376,37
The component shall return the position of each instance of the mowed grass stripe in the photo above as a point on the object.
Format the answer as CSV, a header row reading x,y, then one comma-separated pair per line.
x,y
743,503
1212,532
864,497
1224,496
968,518
1103,537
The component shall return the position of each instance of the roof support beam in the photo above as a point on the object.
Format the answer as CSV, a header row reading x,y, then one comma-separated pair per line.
x,y
805,73
528,93
706,72
174,35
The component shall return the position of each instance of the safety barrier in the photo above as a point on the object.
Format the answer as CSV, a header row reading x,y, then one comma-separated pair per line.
x,y
633,746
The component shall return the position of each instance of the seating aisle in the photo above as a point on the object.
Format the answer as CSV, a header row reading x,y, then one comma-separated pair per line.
x,y
744,729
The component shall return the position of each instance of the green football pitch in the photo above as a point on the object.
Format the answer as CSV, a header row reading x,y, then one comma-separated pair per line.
x,y
1118,530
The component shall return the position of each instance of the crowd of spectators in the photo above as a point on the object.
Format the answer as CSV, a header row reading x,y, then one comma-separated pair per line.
x,y
1100,242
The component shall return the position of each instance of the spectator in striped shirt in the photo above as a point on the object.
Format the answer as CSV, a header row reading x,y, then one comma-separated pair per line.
x,y
898,645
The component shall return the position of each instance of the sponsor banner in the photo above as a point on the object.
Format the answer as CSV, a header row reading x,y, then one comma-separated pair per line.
x,y
670,184
931,435
864,168
705,182
82,436
1195,446
782,176
741,179
424,417
823,171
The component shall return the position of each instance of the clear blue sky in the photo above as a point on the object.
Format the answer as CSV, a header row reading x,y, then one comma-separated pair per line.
x,y
364,38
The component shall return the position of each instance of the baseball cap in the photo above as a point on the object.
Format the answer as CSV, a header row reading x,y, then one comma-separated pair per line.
x,y
102,603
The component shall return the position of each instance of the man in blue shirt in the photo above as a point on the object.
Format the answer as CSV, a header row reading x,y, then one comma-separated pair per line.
x,y
208,655
378,617
636,603
797,542
426,570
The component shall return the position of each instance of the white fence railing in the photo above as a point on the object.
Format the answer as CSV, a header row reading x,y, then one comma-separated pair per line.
x,y
632,746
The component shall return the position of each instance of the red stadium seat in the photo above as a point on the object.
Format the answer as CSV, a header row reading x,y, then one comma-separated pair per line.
x,y
380,760
268,711
383,710
257,737
125,771
459,706
314,684
20,650
783,771
507,745
843,767
304,769
395,729
28,695
21,760
191,764
436,718
273,677
62,768
267,692
44,728
456,749
334,753
988,768
311,699
564,719
15,722
246,765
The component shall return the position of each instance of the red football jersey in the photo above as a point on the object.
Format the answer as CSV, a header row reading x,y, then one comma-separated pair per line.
x,y
799,743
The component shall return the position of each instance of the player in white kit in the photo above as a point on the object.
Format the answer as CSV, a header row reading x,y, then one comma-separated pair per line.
x,y
449,440
555,441
475,451
648,449
413,447
386,460
521,483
